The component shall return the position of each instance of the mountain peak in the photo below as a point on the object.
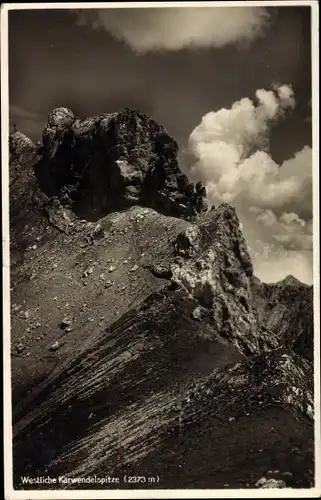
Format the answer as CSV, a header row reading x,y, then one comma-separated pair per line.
x,y
18,142
22,152
112,161
290,280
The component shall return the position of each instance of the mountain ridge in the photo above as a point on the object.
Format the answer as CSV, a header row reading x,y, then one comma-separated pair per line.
x,y
135,307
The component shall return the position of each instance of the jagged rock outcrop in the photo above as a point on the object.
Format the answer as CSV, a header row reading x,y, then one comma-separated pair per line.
x,y
26,198
214,267
142,344
21,153
87,167
99,164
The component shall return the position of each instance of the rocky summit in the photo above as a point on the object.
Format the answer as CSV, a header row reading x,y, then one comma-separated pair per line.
x,y
111,161
142,344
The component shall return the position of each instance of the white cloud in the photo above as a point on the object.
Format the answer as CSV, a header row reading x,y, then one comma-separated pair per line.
x,y
274,201
286,96
267,218
146,29
292,217
288,230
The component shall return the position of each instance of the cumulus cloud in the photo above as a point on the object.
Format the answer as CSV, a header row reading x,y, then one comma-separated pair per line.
x,y
274,201
288,230
148,29
279,244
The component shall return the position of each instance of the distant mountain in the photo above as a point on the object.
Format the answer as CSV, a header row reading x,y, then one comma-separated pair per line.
x,y
142,343
286,309
291,281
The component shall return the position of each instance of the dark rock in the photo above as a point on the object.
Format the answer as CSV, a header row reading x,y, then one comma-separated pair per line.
x,y
161,271
55,346
66,322
21,150
26,198
20,347
108,162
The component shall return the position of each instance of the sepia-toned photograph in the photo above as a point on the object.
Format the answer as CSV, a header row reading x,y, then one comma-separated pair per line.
x,y
161,253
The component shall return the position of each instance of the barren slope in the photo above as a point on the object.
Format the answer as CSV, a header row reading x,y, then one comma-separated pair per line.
x,y
141,342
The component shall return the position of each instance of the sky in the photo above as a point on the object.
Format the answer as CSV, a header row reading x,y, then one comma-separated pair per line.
x,y
232,85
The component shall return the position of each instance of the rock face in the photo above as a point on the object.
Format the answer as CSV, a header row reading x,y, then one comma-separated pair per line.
x,y
26,198
214,267
142,344
113,161
21,151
